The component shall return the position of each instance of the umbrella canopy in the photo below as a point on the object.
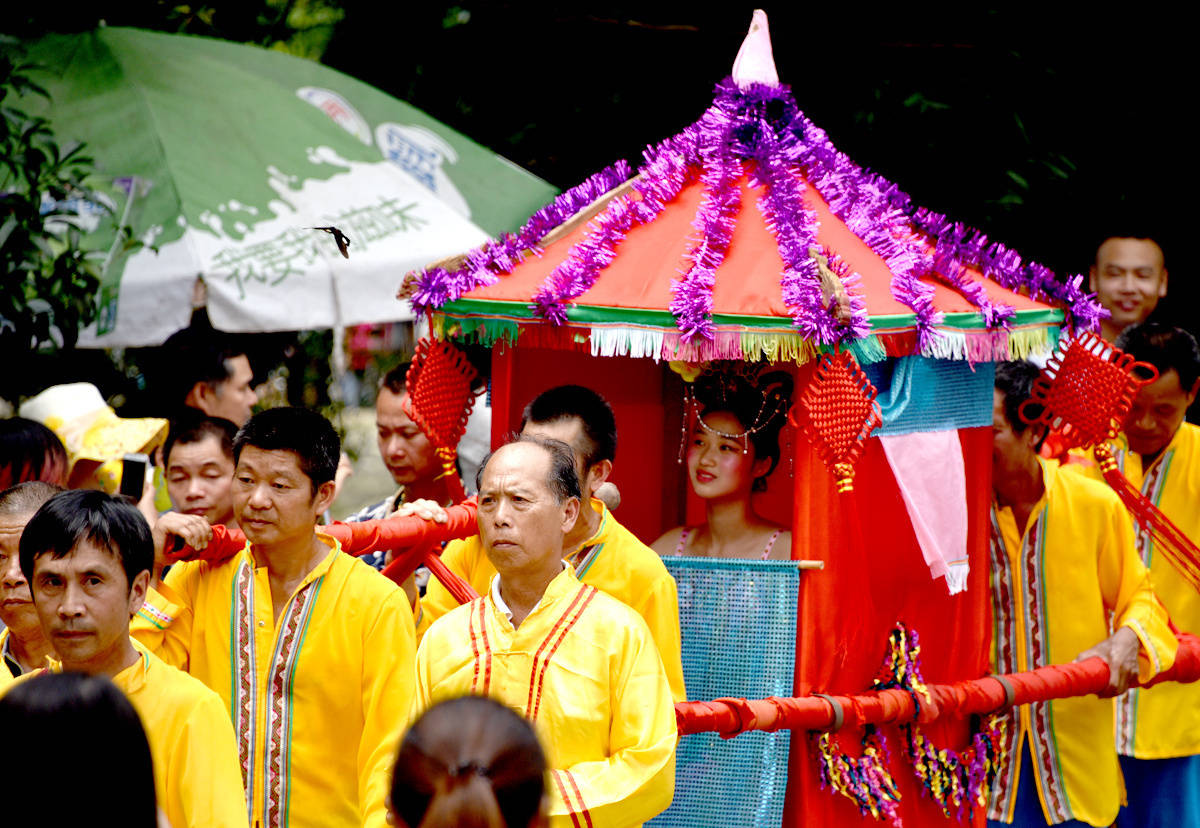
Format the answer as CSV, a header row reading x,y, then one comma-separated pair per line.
x,y
221,156
749,236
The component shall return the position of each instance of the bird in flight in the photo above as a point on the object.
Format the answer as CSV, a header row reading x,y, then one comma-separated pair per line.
x,y
342,240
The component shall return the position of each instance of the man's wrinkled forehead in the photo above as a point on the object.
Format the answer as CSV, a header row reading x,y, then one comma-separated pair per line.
x,y
516,468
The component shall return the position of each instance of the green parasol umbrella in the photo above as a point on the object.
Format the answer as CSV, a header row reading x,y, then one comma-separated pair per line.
x,y
221,156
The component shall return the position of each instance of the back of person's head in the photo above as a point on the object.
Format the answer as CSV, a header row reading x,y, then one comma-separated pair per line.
x,y
592,410
1015,381
307,434
26,498
30,451
70,518
1166,348
195,428
759,401
472,763
84,727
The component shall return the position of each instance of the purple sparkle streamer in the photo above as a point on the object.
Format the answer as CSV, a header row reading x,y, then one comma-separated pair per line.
x,y
692,300
437,286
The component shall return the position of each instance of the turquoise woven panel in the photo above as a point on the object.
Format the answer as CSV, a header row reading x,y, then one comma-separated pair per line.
x,y
738,621
922,394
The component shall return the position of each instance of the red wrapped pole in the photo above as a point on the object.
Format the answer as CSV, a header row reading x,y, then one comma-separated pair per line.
x,y
730,717
422,538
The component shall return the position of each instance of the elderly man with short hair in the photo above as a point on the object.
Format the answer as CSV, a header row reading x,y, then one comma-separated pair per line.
x,y
23,645
580,665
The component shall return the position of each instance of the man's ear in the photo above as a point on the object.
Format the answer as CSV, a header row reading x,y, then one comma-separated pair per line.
x,y
201,396
570,514
323,499
1162,288
597,473
138,590
1092,278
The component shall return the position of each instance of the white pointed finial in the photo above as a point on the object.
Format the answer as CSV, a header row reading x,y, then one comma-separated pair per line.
x,y
755,62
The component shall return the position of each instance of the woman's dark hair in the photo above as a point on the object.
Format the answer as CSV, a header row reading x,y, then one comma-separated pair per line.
x,y
30,451
468,762
88,723
758,402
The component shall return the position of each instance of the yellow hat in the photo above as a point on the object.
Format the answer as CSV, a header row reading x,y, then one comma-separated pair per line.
x,y
92,432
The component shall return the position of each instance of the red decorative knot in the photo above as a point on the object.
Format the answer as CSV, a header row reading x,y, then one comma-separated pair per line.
x,y
838,412
1085,391
440,398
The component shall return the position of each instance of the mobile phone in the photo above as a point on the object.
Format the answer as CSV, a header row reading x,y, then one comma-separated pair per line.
x,y
133,475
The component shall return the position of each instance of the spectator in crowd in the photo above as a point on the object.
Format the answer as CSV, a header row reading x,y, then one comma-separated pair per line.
x,y
23,645
1063,564
95,438
1129,276
603,552
469,762
206,370
71,723
410,459
581,665
198,458
311,652
30,451
1158,728
87,557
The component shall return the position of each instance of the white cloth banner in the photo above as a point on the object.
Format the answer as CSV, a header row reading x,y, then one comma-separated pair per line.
x,y
928,467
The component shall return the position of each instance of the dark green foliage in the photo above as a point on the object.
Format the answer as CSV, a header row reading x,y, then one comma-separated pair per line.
x,y
49,282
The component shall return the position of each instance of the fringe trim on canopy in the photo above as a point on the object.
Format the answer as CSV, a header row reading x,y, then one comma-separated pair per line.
x,y
751,346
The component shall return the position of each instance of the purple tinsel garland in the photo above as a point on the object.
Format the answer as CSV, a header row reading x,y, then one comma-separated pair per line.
x,y
761,123
692,300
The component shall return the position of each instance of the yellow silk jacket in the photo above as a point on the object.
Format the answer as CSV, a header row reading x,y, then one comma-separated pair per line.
x,y
612,560
315,700
1054,591
584,670
191,741
1164,721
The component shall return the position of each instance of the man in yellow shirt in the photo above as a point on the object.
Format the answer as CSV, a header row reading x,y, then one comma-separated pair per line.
x,y
577,663
310,649
604,553
23,645
87,557
1158,729
1063,564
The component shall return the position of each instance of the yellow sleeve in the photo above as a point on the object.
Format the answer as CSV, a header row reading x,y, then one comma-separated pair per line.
x,y
1125,582
387,693
437,600
205,789
637,780
660,611
164,623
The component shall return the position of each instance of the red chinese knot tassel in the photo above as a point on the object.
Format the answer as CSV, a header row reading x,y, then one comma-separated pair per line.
x,y
838,412
1085,391
440,398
